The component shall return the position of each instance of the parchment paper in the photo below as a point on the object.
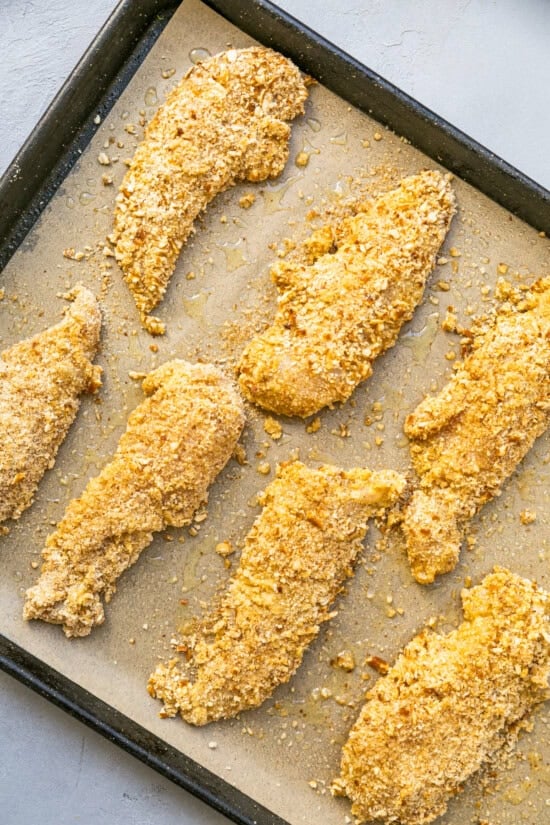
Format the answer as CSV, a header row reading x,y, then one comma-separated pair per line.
x,y
286,753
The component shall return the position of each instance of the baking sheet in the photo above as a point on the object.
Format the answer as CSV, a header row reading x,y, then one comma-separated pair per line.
x,y
284,754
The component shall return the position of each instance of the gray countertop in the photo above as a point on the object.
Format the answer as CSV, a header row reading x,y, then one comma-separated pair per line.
x,y
483,65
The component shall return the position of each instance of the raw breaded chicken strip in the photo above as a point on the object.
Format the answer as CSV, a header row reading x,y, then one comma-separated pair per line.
x,y
295,559
41,380
175,444
336,314
225,122
449,704
468,439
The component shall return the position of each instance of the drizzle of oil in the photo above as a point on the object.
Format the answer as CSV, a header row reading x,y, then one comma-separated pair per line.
x,y
198,55
315,454
401,441
518,793
392,400
319,707
274,195
542,773
86,197
378,599
193,573
342,186
92,458
420,341
190,575
114,420
234,256
195,307
539,452
312,711
340,140
52,511
151,97
309,147
135,351
526,481
539,774
314,124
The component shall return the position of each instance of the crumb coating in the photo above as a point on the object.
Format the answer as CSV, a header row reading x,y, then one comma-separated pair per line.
x,y
226,121
449,704
41,381
336,314
295,560
468,439
176,442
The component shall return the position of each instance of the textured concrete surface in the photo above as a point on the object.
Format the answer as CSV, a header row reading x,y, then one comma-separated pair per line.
x,y
54,771
483,64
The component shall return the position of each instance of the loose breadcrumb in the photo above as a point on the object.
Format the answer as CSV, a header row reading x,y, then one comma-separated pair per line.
x,y
345,660
175,444
226,121
527,516
273,428
314,426
246,201
449,704
224,548
295,559
335,315
41,380
469,438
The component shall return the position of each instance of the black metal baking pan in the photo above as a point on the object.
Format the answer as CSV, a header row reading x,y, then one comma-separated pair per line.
x,y
55,145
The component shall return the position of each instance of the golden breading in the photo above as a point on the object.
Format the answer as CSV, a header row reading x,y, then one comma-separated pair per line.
x,y
449,704
41,380
295,559
175,444
225,122
468,439
336,314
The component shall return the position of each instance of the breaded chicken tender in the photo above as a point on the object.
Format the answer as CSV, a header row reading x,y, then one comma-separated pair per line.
x,y
337,313
175,444
469,438
41,381
449,704
225,122
294,562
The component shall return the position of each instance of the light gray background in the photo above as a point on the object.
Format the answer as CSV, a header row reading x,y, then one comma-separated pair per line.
x,y
484,65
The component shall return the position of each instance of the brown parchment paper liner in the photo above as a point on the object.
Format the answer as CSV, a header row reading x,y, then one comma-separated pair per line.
x,y
286,753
